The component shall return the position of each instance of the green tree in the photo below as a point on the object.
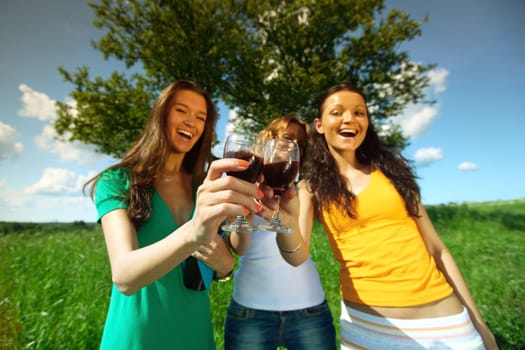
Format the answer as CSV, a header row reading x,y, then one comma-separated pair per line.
x,y
261,57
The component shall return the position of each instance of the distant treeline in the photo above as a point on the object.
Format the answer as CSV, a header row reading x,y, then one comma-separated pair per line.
x,y
440,214
7,227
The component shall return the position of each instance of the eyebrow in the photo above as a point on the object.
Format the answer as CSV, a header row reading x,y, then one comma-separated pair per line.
x,y
338,105
175,103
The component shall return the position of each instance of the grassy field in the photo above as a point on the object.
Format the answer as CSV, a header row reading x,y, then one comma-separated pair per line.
x,y
55,279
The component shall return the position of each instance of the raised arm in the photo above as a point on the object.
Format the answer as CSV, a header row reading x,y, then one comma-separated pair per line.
x,y
306,212
240,242
133,267
292,246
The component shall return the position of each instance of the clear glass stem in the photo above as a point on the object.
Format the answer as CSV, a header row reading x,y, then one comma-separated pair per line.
x,y
240,220
276,218
239,224
275,223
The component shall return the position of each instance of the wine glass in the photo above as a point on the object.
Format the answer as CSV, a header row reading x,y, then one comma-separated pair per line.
x,y
281,165
243,147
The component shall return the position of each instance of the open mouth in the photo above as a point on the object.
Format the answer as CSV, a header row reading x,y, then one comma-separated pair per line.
x,y
348,133
185,134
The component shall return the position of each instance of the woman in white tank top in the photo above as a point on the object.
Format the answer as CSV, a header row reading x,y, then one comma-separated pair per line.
x,y
274,303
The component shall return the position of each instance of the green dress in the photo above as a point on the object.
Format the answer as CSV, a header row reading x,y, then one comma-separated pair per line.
x,y
164,314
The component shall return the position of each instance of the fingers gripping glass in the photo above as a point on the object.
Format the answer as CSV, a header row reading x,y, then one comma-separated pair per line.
x,y
243,147
281,165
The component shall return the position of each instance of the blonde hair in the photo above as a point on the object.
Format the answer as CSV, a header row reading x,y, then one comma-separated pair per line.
x,y
271,131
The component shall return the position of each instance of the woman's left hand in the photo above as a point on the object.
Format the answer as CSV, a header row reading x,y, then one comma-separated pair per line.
x,y
217,255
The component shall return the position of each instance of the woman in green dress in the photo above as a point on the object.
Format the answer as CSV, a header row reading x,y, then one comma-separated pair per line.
x,y
158,206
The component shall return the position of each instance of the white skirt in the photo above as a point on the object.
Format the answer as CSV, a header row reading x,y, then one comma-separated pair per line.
x,y
360,330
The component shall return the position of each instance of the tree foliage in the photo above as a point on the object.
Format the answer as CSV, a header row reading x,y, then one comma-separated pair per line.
x,y
261,57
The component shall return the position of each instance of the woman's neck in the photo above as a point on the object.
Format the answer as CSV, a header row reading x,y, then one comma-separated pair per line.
x,y
173,168
356,173
173,164
347,160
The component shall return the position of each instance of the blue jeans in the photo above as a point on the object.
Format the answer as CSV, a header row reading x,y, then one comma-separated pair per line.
x,y
310,328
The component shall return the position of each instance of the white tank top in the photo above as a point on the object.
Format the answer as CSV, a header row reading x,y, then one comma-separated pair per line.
x,y
265,281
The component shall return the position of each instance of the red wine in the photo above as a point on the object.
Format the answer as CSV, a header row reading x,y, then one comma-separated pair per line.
x,y
279,176
254,169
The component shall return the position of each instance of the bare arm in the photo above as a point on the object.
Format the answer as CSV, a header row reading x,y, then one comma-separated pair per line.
x,y
306,212
446,263
133,267
240,242
292,246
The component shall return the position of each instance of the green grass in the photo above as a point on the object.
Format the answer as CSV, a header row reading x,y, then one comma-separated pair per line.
x,y
54,288
55,279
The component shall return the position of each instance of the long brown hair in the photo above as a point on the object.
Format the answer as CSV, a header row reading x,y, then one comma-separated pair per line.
x,y
329,186
146,158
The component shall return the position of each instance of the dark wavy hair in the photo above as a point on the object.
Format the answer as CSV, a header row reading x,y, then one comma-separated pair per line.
x,y
147,156
329,186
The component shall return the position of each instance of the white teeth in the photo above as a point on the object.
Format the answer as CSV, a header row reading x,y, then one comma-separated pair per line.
x,y
186,133
348,132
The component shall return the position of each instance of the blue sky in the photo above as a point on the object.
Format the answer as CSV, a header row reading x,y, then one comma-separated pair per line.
x,y
468,147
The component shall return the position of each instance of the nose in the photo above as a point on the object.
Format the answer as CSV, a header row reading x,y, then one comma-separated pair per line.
x,y
190,119
347,116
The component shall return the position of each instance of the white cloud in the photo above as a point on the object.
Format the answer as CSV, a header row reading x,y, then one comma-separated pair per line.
x,y
56,196
438,79
55,181
468,166
8,144
24,207
36,104
66,151
425,156
416,120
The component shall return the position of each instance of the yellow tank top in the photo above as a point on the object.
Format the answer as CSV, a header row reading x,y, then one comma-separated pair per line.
x,y
383,259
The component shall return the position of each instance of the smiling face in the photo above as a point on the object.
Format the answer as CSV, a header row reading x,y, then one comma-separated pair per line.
x,y
295,132
186,120
343,121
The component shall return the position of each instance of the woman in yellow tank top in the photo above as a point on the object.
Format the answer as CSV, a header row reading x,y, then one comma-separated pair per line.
x,y
400,286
